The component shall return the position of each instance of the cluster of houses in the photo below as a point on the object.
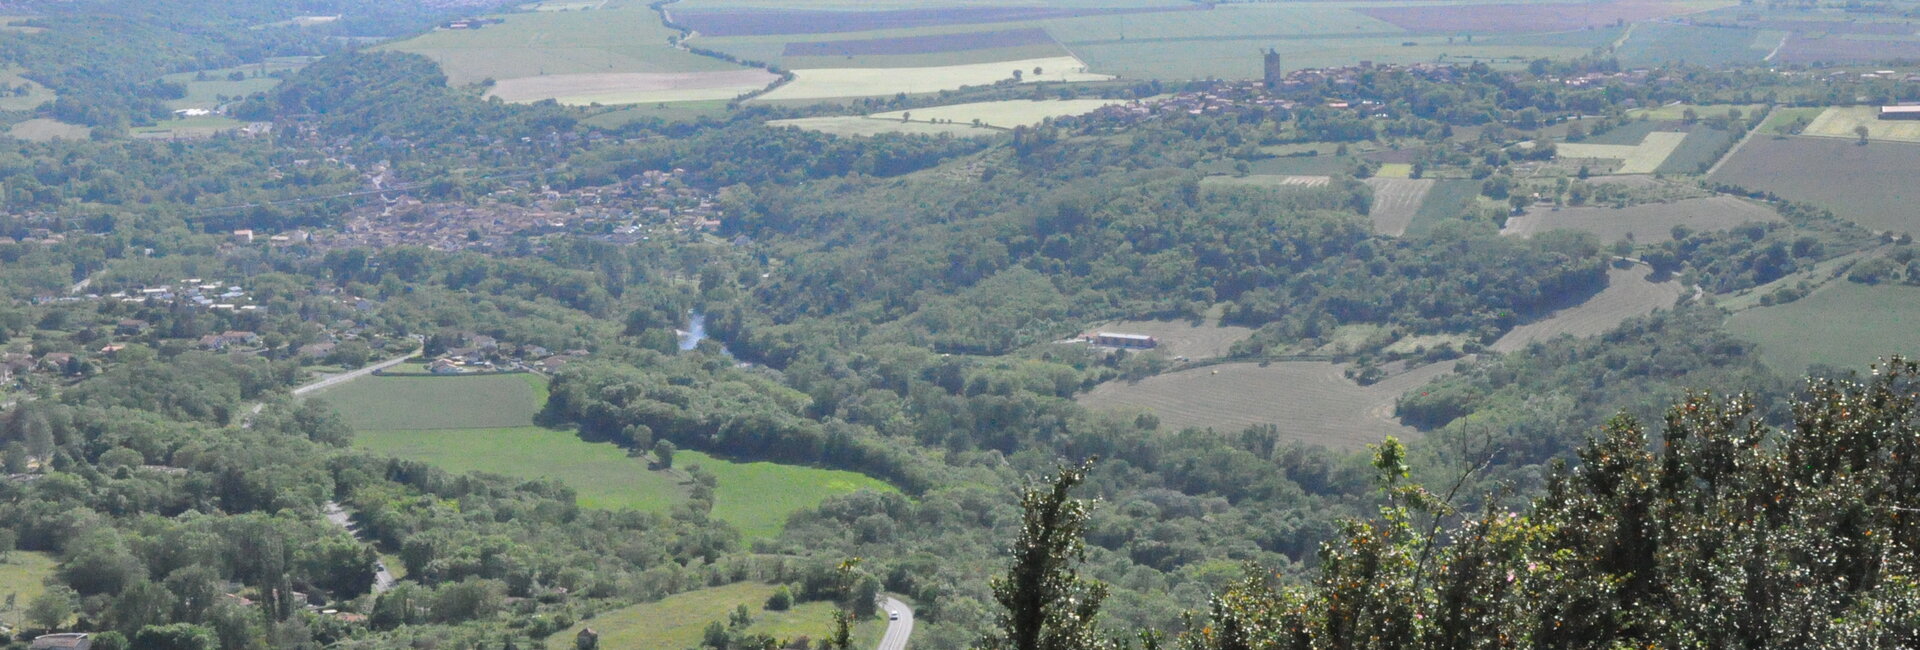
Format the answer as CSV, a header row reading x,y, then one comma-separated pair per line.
x,y
482,353
213,295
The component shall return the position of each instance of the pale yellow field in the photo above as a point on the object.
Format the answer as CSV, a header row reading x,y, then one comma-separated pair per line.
x,y
1268,180
830,83
855,125
1839,122
633,87
1395,201
36,93
1004,114
1639,159
1628,294
1309,401
43,129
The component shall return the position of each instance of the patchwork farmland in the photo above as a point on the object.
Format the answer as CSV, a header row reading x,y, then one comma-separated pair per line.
x,y
1840,122
1541,17
634,87
1643,158
1871,185
1648,223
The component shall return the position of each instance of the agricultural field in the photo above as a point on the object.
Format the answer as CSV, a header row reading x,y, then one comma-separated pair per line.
x,y
671,113
1869,185
1541,17
426,403
484,423
592,51
678,621
1182,338
1395,202
41,129
1653,43
835,83
1801,48
1840,122
1310,401
1697,153
1677,111
602,475
187,128
857,125
22,578
33,95
634,87
1648,223
1643,158
1879,322
1447,199
1628,294
1003,114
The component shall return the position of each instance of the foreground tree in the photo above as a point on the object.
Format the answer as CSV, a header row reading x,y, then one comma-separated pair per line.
x,y
1726,533
1048,606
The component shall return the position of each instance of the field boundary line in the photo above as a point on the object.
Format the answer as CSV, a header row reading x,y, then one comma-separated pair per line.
x,y
1742,143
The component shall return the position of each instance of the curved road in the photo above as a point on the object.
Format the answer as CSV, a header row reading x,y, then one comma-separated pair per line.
x,y
898,629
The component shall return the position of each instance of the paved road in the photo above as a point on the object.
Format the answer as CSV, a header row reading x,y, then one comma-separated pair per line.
x,y
382,578
897,630
345,377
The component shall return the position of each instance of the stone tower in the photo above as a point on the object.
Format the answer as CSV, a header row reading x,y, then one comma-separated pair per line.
x,y
1272,72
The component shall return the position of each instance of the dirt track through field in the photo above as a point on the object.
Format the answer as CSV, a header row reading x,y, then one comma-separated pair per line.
x,y
1395,201
1310,401
1628,294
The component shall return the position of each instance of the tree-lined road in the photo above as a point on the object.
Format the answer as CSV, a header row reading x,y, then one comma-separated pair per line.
x,y
897,629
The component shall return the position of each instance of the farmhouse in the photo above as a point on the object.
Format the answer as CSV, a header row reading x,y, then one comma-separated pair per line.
x,y
1129,341
1900,112
69,641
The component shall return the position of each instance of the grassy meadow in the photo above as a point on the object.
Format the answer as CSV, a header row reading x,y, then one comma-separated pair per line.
x,y
678,621
1879,322
1309,401
484,423
628,38
22,578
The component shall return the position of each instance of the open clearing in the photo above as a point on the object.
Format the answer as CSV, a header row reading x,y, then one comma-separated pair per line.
x,y
1395,201
1180,338
1535,17
484,423
680,620
856,125
633,87
1840,122
830,83
36,94
1004,114
41,129
1643,158
209,89
1628,294
1310,401
628,39
426,403
1871,185
1648,223
22,578
1857,324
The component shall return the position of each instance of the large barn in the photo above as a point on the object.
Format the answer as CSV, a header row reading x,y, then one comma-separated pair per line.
x,y
1900,112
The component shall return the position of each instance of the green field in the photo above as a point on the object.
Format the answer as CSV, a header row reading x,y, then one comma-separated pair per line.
x,y
189,127
857,125
1309,401
22,577
831,83
1701,148
207,94
673,112
1004,114
1857,324
1449,198
484,423
678,621
426,403
1645,157
1654,43
1840,122
625,39
602,474
1870,185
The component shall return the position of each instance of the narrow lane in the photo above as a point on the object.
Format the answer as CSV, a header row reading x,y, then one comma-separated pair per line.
x,y
899,627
